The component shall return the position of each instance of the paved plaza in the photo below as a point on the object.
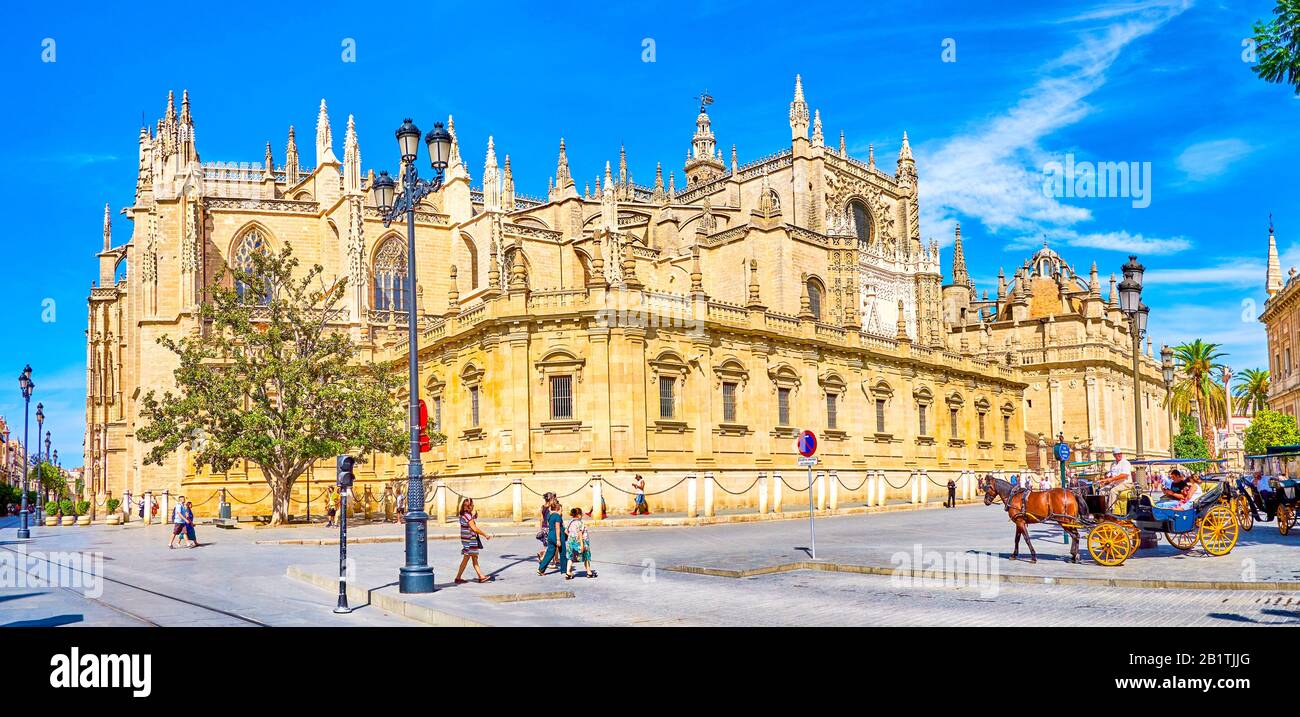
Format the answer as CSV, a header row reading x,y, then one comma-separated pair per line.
x,y
751,573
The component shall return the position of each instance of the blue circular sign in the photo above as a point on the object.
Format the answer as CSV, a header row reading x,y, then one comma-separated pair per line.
x,y
1062,452
807,444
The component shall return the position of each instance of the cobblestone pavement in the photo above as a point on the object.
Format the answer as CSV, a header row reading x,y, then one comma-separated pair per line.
x,y
243,571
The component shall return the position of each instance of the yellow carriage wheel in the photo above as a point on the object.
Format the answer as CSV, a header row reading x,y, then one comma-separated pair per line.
x,y
1134,537
1219,531
1108,544
1285,514
1244,516
1182,541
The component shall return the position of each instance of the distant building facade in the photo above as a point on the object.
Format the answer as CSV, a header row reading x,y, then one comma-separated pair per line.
x,y
1281,319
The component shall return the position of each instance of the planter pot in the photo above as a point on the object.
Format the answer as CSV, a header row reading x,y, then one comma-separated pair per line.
x,y
83,519
69,520
52,521
114,520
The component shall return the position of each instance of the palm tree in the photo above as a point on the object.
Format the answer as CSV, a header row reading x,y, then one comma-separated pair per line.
x,y
1277,44
1251,391
1200,369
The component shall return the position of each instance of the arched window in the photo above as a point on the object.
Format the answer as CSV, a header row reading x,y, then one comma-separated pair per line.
x,y
390,276
472,250
119,271
250,245
815,293
861,221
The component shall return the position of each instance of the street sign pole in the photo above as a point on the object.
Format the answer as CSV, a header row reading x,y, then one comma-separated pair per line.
x,y
812,530
1062,456
806,445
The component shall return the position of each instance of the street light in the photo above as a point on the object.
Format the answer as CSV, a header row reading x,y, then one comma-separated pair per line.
x,y
1130,302
40,468
26,385
1167,368
47,451
416,576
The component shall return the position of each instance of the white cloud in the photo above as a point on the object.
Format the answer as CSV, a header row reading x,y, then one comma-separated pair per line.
x,y
1230,323
1206,160
994,172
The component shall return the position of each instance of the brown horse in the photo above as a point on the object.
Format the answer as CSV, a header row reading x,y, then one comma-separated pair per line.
x,y
1024,506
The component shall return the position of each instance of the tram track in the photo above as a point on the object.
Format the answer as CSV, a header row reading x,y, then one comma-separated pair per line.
x,y
140,588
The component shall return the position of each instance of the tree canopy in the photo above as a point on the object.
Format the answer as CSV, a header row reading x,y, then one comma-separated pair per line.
x,y
1271,428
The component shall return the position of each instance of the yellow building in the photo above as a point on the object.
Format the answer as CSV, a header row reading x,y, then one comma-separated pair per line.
x,y
622,329
1281,320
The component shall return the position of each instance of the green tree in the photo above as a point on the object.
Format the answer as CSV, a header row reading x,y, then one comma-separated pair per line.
x,y
1251,391
1277,45
1199,365
1270,428
1189,443
49,477
269,381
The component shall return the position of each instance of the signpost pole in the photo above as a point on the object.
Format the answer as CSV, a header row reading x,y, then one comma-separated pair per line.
x,y
812,531
1062,456
806,446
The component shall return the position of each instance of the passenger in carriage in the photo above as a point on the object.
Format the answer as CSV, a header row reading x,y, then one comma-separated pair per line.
x,y
1179,492
1259,489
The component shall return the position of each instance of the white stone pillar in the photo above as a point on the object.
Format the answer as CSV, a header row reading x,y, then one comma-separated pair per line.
x,y
439,502
762,494
834,478
517,500
708,494
821,490
692,509
596,485
925,485
916,487
776,492
148,507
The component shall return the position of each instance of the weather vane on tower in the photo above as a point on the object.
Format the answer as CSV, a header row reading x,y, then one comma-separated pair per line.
x,y
705,99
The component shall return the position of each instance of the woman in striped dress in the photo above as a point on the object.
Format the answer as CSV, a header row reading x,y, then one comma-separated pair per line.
x,y
471,540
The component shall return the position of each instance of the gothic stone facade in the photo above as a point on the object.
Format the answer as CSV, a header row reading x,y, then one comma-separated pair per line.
x,y
624,329
1281,320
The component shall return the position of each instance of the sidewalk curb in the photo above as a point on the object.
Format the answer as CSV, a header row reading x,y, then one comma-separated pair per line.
x,y
384,600
1239,585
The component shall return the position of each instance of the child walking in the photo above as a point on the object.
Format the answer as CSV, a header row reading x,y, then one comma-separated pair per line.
x,y
579,545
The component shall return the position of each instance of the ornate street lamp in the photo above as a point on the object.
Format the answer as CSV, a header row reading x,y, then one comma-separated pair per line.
x,y
1130,302
416,576
40,481
1167,368
26,385
47,450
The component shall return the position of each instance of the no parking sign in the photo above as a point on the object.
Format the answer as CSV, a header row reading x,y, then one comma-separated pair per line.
x,y
806,444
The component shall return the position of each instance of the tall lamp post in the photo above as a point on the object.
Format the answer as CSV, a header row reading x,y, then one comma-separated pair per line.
x,y
1167,368
1130,302
47,453
26,385
416,576
40,461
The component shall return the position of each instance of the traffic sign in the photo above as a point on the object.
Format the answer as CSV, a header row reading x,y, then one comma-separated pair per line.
x,y
1063,452
806,444
807,461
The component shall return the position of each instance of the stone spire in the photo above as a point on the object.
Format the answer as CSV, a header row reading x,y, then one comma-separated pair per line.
x,y
564,184
805,302
767,209
697,275
900,328
291,160
622,166
108,229
871,154
843,151
1273,283
959,275
508,188
1112,299
817,139
672,185
735,166
596,276
906,171
608,204
1094,284
491,179
1002,285
755,301
518,274
324,138
351,159
268,164
703,159
456,168
658,193
798,112
453,294
494,271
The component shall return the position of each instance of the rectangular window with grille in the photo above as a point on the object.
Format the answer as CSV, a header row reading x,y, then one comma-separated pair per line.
x,y
473,407
920,419
982,416
729,402
1006,427
437,413
667,390
783,407
952,422
831,419
880,415
561,397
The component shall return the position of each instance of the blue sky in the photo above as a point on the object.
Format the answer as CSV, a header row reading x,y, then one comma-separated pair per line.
x,y
1163,83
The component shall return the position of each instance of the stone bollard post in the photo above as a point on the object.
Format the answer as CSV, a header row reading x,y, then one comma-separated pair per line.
x,y
872,488
762,493
835,490
821,490
925,485
148,507
691,508
709,486
439,501
165,508
916,487
517,500
597,484
776,492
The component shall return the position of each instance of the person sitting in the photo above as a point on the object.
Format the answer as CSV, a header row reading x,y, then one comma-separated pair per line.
x,y
1178,492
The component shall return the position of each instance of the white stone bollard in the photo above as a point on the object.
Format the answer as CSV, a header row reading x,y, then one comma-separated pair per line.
x,y
762,494
925,485
821,490
165,508
776,492
916,487
708,494
691,508
439,502
597,484
517,500
835,490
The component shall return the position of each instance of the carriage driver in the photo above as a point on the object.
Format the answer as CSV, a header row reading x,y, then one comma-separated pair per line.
x,y
1118,480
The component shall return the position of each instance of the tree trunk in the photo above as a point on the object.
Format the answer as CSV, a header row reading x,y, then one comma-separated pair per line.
x,y
1207,423
279,499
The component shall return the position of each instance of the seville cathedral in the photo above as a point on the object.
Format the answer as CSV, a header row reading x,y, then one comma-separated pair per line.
x,y
690,326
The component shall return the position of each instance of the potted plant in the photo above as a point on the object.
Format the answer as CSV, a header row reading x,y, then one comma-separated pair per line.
x,y
114,517
83,512
69,511
51,514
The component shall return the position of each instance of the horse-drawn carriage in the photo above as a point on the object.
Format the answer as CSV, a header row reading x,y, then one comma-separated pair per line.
x,y
1211,520
1277,496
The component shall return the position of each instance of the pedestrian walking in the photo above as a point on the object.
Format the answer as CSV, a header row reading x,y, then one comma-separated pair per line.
x,y
188,512
542,527
555,538
578,545
640,507
952,494
471,540
178,523
331,506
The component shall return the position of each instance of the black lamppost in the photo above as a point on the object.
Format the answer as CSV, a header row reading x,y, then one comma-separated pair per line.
x,y
416,576
47,449
1130,302
40,468
1167,368
26,385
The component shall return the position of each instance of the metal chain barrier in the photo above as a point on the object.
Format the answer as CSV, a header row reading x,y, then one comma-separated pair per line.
x,y
724,489
505,488
566,495
845,487
210,497
658,492
941,485
792,488
891,485
244,502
